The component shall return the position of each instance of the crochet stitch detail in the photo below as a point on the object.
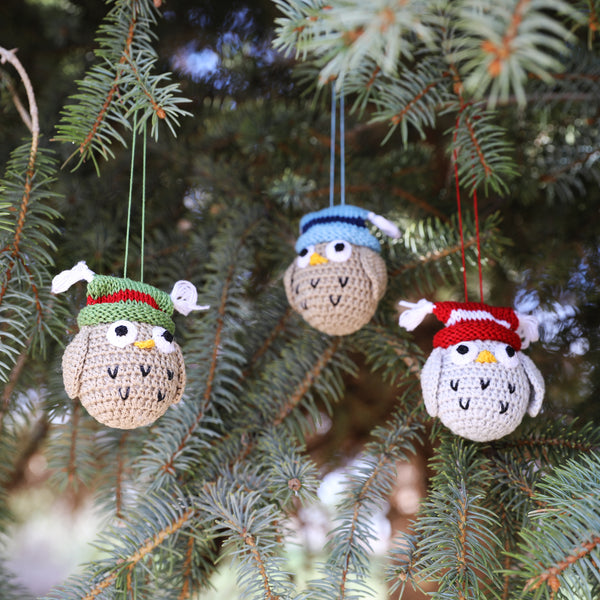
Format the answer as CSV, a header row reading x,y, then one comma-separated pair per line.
x,y
113,298
468,321
354,221
123,295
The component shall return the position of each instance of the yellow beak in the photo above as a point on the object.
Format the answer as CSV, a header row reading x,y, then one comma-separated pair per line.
x,y
317,259
147,344
485,356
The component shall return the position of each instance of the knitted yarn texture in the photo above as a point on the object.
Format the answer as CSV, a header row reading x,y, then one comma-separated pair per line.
x,y
336,297
112,298
477,380
125,387
486,397
342,222
338,278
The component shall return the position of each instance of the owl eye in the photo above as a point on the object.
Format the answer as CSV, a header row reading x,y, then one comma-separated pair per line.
x,y
121,333
463,353
163,340
304,256
338,251
508,356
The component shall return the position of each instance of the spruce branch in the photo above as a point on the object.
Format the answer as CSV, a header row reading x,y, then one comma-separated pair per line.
x,y
310,377
26,245
480,149
123,82
456,545
560,548
497,47
237,514
155,523
369,484
26,118
434,251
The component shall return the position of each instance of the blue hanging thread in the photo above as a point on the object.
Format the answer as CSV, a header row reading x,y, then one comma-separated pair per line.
x,y
342,150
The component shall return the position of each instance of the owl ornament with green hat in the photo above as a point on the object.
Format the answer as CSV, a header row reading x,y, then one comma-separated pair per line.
x,y
124,364
336,281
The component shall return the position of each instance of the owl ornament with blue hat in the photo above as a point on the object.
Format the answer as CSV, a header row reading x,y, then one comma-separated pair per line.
x,y
124,364
336,281
477,380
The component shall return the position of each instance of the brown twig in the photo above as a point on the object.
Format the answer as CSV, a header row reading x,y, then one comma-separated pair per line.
x,y
18,104
308,380
10,57
550,575
142,552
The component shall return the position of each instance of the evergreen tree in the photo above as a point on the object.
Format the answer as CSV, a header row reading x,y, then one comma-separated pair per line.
x,y
505,94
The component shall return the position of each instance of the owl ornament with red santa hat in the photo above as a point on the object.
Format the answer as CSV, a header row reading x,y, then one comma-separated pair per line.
x,y
476,379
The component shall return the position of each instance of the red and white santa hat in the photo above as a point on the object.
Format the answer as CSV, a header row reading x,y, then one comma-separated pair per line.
x,y
467,321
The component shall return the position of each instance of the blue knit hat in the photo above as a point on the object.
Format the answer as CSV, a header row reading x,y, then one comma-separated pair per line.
x,y
342,222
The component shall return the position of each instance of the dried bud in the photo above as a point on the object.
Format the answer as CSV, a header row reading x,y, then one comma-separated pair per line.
x,y
294,484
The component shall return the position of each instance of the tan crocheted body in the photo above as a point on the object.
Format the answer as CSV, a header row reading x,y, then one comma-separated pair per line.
x,y
125,387
337,298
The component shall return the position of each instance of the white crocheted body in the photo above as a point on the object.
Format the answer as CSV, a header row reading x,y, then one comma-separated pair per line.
x,y
478,391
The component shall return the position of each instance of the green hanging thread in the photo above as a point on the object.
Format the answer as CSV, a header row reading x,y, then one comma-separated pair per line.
x,y
143,224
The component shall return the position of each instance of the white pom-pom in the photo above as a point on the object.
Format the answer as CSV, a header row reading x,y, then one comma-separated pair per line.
x,y
415,314
528,329
384,225
185,296
63,281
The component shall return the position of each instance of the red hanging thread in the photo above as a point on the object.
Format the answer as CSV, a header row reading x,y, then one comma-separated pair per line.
x,y
476,211
460,221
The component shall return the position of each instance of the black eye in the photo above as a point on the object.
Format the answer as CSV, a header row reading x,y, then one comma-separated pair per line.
x,y
121,330
338,250
121,333
303,259
510,351
163,339
463,352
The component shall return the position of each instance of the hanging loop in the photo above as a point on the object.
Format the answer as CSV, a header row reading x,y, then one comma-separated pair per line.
x,y
130,199
460,221
342,149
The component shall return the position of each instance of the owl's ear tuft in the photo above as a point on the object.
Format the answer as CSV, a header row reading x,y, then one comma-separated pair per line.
x,y
185,296
287,284
64,280
538,387
528,329
410,319
384,225
430,379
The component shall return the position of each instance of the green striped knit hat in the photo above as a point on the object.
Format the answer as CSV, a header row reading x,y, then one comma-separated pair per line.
x,y
111,299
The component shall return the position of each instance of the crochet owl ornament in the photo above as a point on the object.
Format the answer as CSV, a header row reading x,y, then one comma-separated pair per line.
x,y
124,364
338,277
477,380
